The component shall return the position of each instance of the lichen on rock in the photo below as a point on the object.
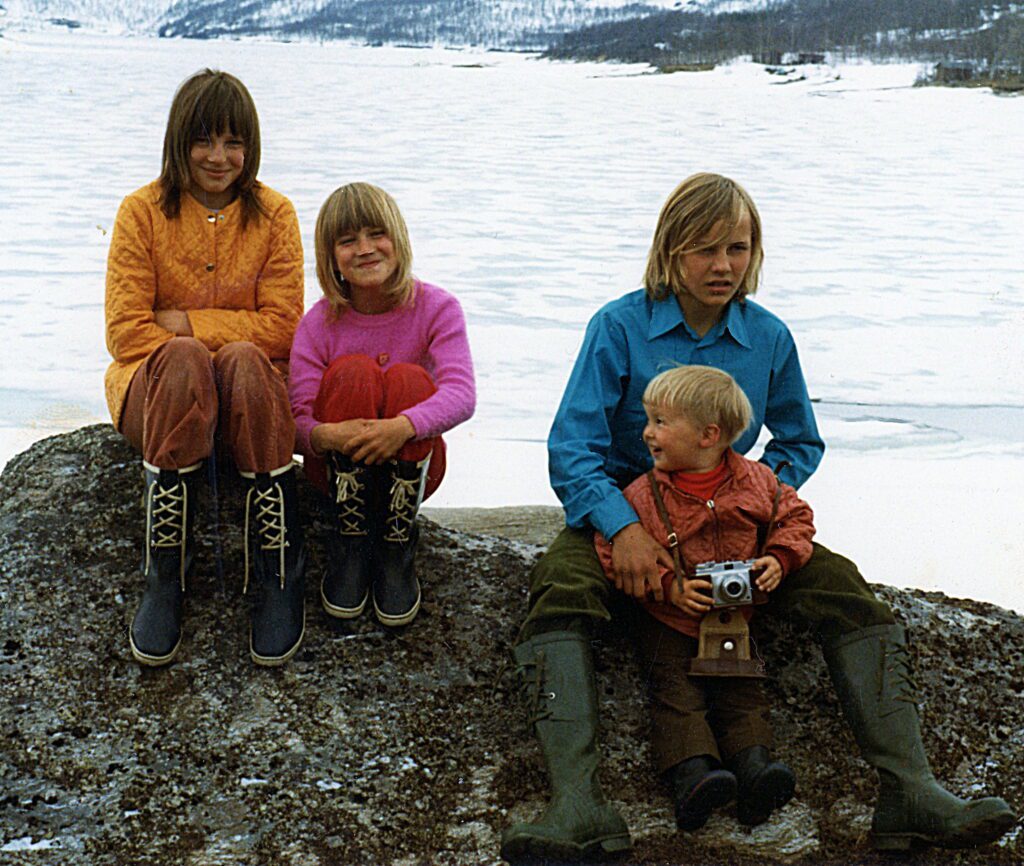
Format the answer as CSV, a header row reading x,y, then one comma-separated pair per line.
x,y
374,746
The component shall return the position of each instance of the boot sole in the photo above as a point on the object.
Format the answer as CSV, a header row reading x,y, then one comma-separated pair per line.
x,y
981,833
277,661
151,660
541,848
392,620
342,612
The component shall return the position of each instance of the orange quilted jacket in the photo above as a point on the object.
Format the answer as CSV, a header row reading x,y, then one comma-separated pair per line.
x,y
234,284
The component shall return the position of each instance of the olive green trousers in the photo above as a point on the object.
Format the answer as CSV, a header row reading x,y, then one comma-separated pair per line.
x,y
568,589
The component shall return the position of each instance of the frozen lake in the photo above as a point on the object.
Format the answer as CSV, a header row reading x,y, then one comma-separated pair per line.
x,y
893,221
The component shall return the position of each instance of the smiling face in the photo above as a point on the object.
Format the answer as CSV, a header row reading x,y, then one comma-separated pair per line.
x,y
713,270
215,164
366,260
677,444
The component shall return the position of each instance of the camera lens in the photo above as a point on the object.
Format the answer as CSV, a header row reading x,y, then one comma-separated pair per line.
x,y
733,588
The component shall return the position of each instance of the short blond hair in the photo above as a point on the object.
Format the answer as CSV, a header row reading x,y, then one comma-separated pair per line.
x,y
704,395
350,208
691,213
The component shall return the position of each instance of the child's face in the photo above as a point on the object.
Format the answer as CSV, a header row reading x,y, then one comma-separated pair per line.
x,y
215,164
713,275
366,258
675,442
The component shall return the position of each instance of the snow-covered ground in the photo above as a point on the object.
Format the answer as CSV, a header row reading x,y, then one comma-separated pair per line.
x,y
893,223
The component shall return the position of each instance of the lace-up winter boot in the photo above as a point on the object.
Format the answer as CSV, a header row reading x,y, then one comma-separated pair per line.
x,y
870,669
764,785
345,587
556,670
396,589
699,786
155,634
274,530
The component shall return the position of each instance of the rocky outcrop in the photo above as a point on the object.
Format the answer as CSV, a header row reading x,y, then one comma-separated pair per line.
x,y
387,747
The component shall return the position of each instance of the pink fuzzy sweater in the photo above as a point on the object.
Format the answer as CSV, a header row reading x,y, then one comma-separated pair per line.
x,y
429,331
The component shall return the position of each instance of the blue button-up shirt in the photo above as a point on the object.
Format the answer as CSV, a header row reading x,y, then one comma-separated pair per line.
x,y
595,446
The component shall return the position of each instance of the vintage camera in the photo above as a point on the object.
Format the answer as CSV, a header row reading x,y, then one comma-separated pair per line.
x,y
731,582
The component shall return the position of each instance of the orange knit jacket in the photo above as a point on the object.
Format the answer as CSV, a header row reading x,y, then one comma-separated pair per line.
x,y
234,284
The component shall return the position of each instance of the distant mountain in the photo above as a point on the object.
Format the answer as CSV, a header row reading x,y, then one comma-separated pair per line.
x,y
531,24
121,15
990,32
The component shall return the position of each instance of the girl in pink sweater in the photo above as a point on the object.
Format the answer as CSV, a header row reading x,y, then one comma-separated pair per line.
x,y
379,369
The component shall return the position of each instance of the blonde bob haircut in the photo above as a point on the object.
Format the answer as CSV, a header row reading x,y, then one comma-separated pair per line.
x,y
702,395
210,103
687,224
348,209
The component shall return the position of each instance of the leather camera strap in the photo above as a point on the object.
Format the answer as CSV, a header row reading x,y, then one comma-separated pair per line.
x,y
678,562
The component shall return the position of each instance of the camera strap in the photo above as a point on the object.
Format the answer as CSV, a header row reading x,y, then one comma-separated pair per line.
x,y
765,531
678,561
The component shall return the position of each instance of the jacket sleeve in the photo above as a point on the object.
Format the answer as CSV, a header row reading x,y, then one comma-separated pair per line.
x,y
789,539
455,399
131,330
581,433
790,419
279,296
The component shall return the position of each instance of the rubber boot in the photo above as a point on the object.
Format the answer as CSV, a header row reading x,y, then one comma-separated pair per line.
x,y
155,635
273,531
345,587
699,786
764,785
870,669
396,589
557,672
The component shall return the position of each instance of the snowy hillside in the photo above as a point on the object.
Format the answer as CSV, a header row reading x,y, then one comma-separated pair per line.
x,y
132,15
489,23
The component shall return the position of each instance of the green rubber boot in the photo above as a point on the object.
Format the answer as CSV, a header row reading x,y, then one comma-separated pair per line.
x,y
870,669
557,671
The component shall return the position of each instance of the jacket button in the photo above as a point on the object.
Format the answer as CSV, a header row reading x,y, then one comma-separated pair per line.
x,y
209,267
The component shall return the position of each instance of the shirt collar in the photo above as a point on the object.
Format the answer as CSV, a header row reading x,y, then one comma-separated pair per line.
x,y
666,315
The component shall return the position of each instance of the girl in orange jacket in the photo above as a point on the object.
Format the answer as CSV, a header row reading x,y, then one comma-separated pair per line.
x,y
204,292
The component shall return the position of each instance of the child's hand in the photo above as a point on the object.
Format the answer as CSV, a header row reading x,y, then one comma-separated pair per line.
x,y
335,436
771,577
694,598
379,440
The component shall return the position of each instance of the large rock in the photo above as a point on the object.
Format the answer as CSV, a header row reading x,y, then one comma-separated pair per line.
x,y
387,747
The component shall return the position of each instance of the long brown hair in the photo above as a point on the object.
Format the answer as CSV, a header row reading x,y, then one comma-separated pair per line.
x,y
206,104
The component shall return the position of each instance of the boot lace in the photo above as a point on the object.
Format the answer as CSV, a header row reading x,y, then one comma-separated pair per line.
x,y
348,488
402,509
536,699
166,513
268,504
897,676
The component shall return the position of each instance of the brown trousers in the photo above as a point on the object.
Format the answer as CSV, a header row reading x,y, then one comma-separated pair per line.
x,y
717,716
183,396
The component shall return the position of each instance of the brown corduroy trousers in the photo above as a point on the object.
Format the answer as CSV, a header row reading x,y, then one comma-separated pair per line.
x,y
184,396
